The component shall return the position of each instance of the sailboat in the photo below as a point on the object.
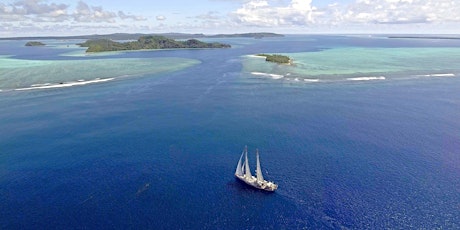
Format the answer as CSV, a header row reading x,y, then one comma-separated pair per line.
x,y
243,172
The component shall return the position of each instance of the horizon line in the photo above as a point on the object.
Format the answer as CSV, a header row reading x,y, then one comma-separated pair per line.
x,y
214,34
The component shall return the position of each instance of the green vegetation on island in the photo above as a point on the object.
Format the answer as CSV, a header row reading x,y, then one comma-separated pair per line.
x,y
147,42
34,43
280,59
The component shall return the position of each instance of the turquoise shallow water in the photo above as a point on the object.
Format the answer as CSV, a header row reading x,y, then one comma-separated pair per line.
x,y
338,64
19,73
158,150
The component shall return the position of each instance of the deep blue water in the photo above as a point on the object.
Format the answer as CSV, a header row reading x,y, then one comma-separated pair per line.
x,y
159,152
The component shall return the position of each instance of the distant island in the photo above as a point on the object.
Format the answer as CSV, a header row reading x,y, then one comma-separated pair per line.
x,y
127,36
280,59
34,43
425,37
246,35
147,42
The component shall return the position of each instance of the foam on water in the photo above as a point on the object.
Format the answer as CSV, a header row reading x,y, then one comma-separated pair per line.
x,y
256,56
310,80
365,78
274,76
66,84
438,75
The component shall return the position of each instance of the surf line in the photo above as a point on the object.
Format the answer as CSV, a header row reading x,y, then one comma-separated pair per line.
x,y
62,85
274,76
438,75
366,78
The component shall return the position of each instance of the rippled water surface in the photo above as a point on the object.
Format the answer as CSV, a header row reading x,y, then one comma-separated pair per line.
x,y
373,143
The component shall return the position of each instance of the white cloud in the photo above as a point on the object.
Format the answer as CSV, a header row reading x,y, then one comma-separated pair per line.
x,y
36,16
210,16
33,17
41,11
85,13
160,18
261,13
361,15
124,16
33,9
402,11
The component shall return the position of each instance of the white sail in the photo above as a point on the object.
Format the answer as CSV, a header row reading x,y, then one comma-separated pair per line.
x,y
247,170
239,167
243,173
260,177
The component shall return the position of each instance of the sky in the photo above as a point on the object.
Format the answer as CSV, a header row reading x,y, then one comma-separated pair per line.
x,y
64,17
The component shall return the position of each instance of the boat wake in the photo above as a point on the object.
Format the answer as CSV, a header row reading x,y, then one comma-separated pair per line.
x,y
63,84
143,189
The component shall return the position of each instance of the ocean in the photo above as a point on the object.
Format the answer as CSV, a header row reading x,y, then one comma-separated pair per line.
x,y
362,132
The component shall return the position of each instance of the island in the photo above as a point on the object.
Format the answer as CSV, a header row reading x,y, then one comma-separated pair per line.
x,y
247,35
34,43
280,59
147,42
426,37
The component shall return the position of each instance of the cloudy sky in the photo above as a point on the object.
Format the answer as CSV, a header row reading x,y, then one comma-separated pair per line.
x,y
64,17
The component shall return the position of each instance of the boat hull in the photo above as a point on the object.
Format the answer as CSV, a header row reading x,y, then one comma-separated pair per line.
x,y
262,185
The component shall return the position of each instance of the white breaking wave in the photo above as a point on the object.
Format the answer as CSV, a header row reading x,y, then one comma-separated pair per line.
x,y
438,75
274,76
366,78
66,84
310,80
256,56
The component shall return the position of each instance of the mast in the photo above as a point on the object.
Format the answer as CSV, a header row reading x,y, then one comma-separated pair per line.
x,y
260,177
239,168
247,170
